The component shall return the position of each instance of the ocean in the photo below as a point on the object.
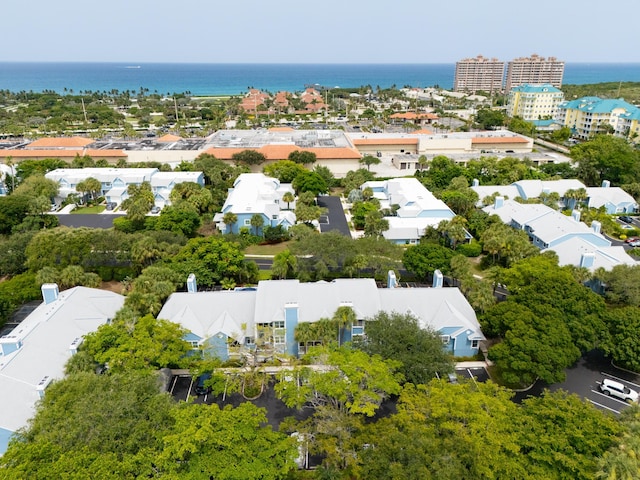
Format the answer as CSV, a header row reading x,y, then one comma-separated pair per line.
x,y
234,79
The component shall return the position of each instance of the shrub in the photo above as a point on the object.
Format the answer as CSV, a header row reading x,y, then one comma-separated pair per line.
x,y
472,249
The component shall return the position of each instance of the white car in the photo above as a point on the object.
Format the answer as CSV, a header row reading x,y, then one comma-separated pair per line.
x,y
618,390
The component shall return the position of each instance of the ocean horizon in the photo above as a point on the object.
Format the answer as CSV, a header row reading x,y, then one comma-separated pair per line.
x,y
203,79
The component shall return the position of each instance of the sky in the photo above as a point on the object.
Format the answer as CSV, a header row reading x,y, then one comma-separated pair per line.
x,y
327,31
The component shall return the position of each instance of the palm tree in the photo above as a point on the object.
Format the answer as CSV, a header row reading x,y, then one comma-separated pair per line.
x,y
284,263
257,221
343,317
229,219
288,197
10,164
304,333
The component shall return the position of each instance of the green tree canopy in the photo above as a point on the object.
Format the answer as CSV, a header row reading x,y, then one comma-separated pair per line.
x,y
425,258
284,170
303,157
248,158
309,182
211,259
606,157
397,336
149,344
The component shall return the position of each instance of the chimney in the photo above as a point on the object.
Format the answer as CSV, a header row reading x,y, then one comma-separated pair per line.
x,y
437,279
392,282
576,215
192,286
50,292
475,182
606,184
42,386
587,259
596,226
498,202
73,348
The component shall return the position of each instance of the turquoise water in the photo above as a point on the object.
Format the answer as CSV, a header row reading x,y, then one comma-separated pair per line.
x,y
231,79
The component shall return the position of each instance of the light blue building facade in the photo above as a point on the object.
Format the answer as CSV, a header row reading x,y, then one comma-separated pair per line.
x,y
227,323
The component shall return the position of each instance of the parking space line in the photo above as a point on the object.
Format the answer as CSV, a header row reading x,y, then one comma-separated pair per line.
x,y
189,391
612,398
620,379
603,406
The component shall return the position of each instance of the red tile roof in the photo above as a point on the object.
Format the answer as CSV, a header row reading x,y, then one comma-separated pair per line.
x,y
62,153
281,152
61,142
414,116
168,138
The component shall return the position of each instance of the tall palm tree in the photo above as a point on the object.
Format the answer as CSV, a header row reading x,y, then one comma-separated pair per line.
x,y
288,197
343,317
229,219
257,221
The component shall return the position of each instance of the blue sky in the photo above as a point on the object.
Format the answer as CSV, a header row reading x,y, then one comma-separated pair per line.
x,y
328,31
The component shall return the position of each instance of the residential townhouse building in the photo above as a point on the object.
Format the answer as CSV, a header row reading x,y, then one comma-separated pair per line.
x,y
116,181
417,209
571,240
263,320
613,199
35,352
257,194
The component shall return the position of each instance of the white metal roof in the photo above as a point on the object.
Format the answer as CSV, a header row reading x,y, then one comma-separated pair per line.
x,y
46,336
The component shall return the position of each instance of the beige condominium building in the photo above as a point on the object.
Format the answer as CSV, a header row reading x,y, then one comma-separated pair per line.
x,y
534,70
479,73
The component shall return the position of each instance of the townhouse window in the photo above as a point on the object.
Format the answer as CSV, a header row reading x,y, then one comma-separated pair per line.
x,y
475,343
278,324
194,343
247,222
278,339
445,339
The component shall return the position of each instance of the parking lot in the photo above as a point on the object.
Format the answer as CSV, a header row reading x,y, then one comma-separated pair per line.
x,y
584,379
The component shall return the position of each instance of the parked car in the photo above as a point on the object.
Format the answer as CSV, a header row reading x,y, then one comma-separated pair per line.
x,y
155,209
626,219
618,390
635,243
201,389
111,205
632,239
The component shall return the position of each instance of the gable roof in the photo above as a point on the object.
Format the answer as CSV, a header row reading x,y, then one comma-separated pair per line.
x,y
46,335
570,252
206,313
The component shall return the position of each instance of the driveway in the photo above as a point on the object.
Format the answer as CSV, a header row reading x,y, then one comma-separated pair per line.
x,y
335,218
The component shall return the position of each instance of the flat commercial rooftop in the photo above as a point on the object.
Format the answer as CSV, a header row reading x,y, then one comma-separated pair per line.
x,y
259,138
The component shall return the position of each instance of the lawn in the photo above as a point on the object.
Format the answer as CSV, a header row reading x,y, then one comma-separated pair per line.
x,y
266,249
94,209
